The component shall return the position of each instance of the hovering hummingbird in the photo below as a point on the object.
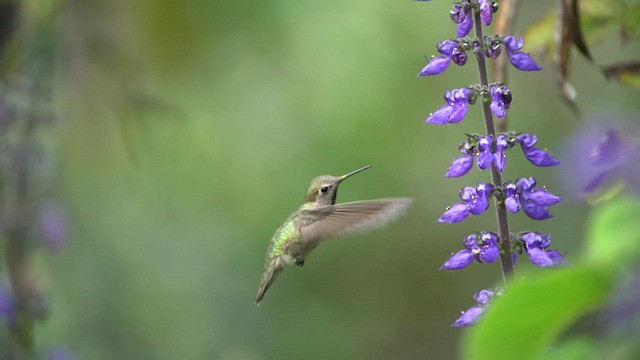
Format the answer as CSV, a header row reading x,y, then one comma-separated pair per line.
x,y
319,219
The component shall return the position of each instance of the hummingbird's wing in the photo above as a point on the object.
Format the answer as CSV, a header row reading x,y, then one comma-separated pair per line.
x,y
330,221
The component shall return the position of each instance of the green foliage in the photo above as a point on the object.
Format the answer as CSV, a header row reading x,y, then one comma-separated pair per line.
x,y
533,313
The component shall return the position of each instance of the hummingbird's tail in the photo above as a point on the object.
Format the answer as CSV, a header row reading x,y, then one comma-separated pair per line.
x,y
271,272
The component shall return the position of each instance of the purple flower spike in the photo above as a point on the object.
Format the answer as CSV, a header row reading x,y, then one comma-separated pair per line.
x,y
486,11
536,156
536,244
485,155
500,100
455,109
472,315
520,60
499,158
460,166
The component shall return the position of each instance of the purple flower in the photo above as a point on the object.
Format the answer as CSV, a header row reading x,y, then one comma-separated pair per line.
x,y
602,156
520,60
464,27
500,100
485,154
7,307
440,63
455,109
499,158
494,48
472,315
54,226
535,202
536,156
475,202
458,56
536,245
486,11
460,166
59,354
457,13
482,247
512,198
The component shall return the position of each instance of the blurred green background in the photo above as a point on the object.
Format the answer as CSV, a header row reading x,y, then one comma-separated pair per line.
x,y
187,132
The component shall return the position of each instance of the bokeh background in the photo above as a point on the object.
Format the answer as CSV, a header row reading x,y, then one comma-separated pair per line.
x,y
187,131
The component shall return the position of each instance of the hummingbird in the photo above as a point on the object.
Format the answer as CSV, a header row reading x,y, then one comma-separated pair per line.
x,y
319,219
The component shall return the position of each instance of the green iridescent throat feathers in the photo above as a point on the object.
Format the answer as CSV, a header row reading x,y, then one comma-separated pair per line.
x,y
319,219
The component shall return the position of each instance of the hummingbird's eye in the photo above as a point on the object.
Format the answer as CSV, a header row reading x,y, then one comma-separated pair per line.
x,y
324,189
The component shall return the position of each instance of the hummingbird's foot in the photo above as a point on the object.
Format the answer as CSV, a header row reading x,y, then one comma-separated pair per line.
x,y
299,262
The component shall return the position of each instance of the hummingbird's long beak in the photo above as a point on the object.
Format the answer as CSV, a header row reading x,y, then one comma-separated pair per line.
x,y
354,172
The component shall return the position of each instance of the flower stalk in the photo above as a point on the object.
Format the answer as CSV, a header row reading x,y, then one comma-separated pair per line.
x,y
506,260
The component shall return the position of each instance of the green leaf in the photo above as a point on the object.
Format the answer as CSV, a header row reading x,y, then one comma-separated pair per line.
x,y
532,313
614,235
573,349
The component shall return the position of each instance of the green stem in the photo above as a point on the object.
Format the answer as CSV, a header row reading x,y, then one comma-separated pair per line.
x,y
506,259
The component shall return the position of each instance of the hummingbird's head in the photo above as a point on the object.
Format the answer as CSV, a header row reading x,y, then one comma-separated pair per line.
x,y
323,190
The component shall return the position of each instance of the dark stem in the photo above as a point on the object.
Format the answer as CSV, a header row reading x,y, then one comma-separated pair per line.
x,y
501,211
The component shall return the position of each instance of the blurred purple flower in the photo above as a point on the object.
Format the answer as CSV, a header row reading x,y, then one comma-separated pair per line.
x,y
59,354
520,60
7,307
536,245
482,247
455,109
603,156
475,202
53,225
472,315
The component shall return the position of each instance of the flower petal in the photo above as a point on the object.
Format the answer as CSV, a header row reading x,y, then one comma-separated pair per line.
x,y
435,66
455,214
458,261
441,116
465,26
539,157
469,317
539,257
460,166
522,61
